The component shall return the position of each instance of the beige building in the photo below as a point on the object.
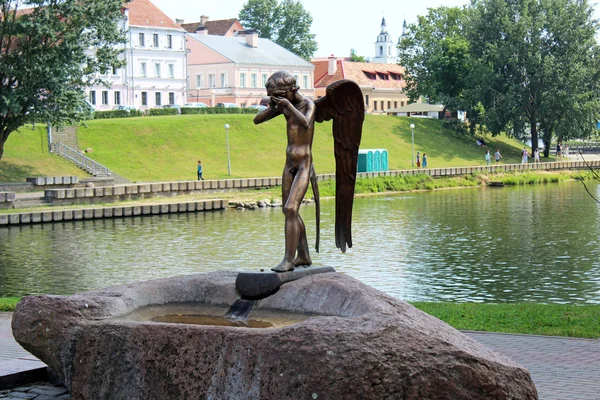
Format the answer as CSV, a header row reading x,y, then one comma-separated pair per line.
x,y
382,85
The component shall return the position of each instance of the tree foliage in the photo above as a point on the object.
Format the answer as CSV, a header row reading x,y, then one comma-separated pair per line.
x,y
516,66
50,52
536,67
286,23
355,57
435,55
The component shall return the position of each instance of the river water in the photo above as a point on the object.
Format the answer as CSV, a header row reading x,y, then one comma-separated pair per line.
x,y
532,244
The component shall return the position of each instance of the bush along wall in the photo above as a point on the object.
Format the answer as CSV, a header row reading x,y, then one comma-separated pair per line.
x,y
162,111
217,110
117,114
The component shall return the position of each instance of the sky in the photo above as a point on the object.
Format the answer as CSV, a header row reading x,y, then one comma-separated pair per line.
x,y
339,25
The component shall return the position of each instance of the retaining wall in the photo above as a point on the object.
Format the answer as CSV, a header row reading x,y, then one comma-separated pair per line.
x,y
110,212
109,194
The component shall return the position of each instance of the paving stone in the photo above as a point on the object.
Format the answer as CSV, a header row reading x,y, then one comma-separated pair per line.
x,y
23,395
49,390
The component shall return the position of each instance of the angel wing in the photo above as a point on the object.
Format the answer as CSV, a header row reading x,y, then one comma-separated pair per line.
x,y
343,102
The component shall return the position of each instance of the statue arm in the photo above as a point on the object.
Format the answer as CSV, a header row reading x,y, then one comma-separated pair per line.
x,y
266,114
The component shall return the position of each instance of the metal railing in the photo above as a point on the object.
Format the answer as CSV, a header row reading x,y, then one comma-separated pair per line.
x,y
83,162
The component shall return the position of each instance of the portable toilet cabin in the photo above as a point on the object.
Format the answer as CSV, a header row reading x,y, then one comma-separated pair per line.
x,y
365,160
380,160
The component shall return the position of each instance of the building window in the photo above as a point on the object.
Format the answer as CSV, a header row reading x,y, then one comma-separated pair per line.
x,y
264,79
115,71
143,69
395,104
305,81
142,40
144,98
212,80
199,83
157,98
155,39
401,104
375,106
171,70
296,78
171,98
169,41
382,105
367,100
105,97
381,50
223,80
117,97
157,70
93,97
253,80
389,105
242,79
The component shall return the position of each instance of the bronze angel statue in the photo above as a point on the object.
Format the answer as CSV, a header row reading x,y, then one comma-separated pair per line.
x,y
344,104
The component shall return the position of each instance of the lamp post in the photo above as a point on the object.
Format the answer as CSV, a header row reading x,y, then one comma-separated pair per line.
x,y
412,128
227,140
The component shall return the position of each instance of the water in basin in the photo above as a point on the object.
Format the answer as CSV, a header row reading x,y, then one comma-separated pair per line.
x,y
202,314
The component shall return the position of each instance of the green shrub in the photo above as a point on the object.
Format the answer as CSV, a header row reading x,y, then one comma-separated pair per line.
x,y
457,126
117,114
162,111
217,110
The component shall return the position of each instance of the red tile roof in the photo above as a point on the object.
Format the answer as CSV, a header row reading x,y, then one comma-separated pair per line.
x,y
357,71
218,27
144,13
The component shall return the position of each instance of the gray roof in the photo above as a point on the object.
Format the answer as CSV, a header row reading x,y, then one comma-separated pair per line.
x,y
236,49
416,107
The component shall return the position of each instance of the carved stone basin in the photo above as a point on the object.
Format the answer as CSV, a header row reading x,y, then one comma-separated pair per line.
x,y
341,340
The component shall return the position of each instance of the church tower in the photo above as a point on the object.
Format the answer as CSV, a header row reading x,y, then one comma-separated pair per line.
x,y
385,48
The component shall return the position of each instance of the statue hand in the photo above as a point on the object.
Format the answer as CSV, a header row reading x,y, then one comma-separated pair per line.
x,y
280,102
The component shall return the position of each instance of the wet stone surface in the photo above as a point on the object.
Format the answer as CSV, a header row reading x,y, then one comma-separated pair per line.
x,y
36,391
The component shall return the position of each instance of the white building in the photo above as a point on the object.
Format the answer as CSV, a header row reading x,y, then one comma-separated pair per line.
x,y
385,49
155,54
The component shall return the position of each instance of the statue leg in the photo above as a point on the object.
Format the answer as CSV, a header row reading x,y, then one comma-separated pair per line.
x,y
294,227
303,257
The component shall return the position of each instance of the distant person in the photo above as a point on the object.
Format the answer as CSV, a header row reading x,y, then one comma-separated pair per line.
x,y
488,158
566,151
418,160
200,170
536,156
497,155
524,156
558,151
424,160
481,142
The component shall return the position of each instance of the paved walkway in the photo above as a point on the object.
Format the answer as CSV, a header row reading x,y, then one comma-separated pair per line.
x,y
561,368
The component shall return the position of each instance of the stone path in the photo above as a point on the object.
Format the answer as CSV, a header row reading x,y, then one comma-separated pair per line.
x,y
561,368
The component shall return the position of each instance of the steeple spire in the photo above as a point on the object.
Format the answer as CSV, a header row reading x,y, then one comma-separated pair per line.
x,y
383,25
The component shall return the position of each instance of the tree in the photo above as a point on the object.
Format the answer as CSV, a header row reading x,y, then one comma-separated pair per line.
x,y
49,54
435,55
535,66
287,24
355,57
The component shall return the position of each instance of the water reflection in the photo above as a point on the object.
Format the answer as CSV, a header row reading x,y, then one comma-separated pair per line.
x,y
493,245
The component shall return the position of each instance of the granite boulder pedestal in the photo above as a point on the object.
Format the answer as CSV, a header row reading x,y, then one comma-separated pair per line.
x,y
355,343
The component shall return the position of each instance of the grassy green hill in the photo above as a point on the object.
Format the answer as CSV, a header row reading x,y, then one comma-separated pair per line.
x,y
26,155
167,148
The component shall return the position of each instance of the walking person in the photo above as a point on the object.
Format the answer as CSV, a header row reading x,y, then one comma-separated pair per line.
x,y
497,156
488,158
200,170
558,151
524,155
536,156
424,160
418,160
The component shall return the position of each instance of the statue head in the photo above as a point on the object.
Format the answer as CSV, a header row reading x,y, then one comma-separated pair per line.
x,y
280,83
